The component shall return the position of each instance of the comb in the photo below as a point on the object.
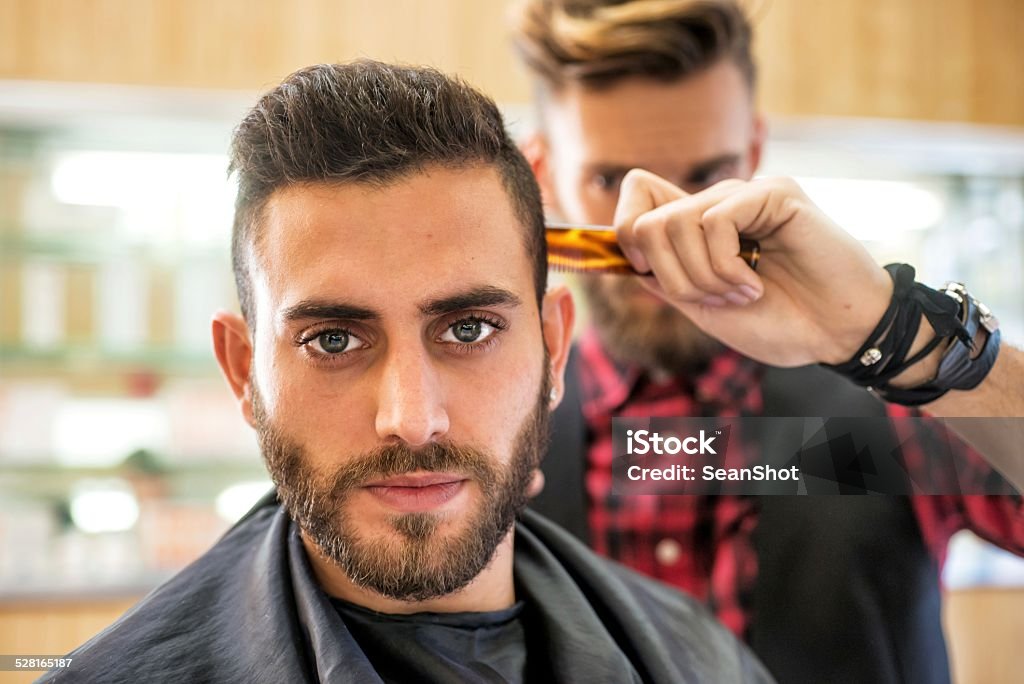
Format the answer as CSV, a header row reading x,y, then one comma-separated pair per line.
x,y
574,248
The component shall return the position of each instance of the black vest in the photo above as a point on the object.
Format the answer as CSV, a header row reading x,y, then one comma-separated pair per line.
x,y
846,589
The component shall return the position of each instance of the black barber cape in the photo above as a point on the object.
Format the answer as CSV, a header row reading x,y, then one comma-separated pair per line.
x,y
249,610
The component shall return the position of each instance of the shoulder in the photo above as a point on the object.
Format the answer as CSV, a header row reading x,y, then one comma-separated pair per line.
x,y
680,622
661,625
174,632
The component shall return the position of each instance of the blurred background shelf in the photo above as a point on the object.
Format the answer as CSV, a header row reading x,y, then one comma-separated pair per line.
x,y
81,361
98,249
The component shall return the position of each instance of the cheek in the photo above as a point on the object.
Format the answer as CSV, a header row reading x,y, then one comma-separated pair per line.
x,y
598,205
310,406
487,410
264,372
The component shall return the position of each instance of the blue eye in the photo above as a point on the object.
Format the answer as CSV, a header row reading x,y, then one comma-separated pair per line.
x,y
335,342
469,331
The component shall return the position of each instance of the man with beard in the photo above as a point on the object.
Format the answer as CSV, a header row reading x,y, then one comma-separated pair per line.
x,y
399,357
668,86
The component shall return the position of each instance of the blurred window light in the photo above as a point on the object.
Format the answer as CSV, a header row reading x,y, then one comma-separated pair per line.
x,y
103,432
874,210
103,506
236,500
164,197
974,562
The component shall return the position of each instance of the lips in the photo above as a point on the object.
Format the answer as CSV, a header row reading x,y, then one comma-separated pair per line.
x,y
417,480
417,492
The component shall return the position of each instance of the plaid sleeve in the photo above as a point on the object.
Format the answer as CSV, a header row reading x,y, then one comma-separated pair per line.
x,y
734,566
998,519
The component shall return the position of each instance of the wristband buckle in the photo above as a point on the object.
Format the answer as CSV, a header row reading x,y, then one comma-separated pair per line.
x,y
987,319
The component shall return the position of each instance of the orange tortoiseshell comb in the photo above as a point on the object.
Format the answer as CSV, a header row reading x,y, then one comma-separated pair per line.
x,y
593,249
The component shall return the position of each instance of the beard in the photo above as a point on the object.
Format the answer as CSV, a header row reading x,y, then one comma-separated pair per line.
x,y
644,331
420,562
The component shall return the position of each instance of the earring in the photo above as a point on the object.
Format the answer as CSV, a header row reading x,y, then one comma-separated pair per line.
x,y
553,395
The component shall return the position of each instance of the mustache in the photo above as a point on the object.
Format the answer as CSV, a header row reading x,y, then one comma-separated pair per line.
x,y
400,459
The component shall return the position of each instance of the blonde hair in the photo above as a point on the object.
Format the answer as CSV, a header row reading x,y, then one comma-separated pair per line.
x,y
598,42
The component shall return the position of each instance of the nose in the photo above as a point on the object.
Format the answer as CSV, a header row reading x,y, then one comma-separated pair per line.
x,y
411,403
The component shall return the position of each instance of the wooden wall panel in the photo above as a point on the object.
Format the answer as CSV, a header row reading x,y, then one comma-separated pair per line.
x,y
248,44
998,73
947,60
985,630
53,627
944,60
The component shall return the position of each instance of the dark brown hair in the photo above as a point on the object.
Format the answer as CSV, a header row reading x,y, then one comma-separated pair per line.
x,y
596,43
373,123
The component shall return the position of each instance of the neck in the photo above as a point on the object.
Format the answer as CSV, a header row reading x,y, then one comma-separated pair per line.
x,y
492,589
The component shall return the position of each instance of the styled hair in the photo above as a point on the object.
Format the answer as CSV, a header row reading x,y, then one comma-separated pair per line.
x,y
596,43
367,122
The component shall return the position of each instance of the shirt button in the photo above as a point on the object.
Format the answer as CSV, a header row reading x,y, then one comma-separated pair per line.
x,y
667,552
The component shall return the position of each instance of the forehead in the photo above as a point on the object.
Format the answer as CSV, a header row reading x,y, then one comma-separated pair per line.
x,y
641,119
427,234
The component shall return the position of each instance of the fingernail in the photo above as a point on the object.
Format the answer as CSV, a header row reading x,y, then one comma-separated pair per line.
x,y
750,292
737,298
638,260
713,300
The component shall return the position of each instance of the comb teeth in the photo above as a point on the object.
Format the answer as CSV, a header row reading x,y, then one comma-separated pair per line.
x,y
566,263
586,251
573,249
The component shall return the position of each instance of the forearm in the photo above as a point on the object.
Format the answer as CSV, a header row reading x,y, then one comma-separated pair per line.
x,y
999,400
1000,394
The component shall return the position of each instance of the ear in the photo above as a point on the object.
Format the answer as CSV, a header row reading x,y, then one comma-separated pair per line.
x,y
232,345
557,317
757,142
537,152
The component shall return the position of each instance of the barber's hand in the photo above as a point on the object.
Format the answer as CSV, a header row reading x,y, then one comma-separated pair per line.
x,y
816,295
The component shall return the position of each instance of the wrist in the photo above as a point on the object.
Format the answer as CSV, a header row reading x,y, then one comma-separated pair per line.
x,y
957,355
905,363
926,369
862,318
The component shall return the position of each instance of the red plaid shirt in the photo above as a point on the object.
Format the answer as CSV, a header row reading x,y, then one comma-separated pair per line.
x,y
703,544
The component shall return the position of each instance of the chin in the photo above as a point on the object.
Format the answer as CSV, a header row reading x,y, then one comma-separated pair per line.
x,y
376,520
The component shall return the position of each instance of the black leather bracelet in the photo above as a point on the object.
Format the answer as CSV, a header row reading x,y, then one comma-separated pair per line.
x,y
958,368
955,317
883,355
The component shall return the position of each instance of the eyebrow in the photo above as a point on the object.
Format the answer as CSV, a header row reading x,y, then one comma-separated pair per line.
x,y
704,168
485,295
692,175
475,297
319,308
